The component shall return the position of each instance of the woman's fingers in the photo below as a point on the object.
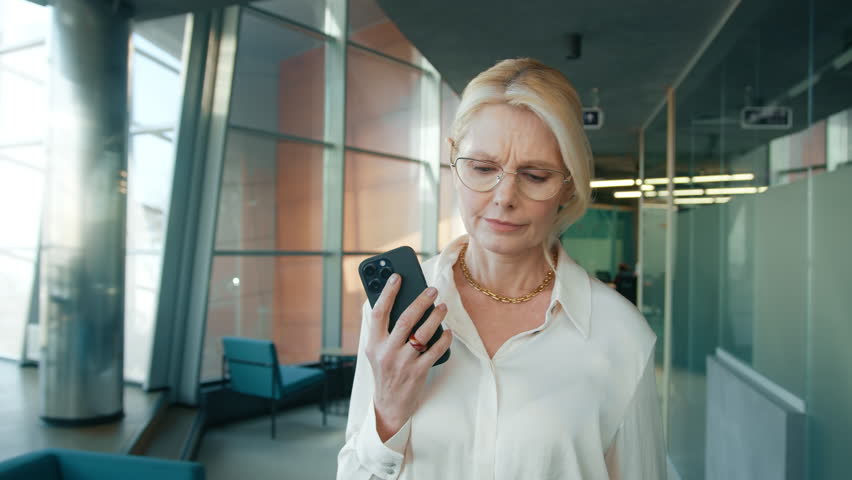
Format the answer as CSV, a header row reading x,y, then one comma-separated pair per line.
x,y
382,308
436,351
426,331
411,316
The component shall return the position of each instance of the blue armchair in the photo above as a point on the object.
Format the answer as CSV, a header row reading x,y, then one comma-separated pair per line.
x,y
250,367
61,464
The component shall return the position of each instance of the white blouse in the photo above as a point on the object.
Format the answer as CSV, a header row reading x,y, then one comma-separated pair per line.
x,y
574,398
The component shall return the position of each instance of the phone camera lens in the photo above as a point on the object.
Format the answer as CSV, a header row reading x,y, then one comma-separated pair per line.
x,y
375,285
370,270
385,272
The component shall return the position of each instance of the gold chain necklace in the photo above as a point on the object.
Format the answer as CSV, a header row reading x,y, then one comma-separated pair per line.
x,y
500,298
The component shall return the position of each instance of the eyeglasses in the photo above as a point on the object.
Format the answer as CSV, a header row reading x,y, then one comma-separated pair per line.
x,y
534,183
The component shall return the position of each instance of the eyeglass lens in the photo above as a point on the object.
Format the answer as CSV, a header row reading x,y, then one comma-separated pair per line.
x,y
482,176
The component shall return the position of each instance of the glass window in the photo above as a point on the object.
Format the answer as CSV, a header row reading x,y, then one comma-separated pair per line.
x,y
155,99
306,12
148,196
381,209
450,224
449,106
142,273
792,157
22,22
277,298
23,130
155,85
839,140
23,94
382,105
352,299
271,196
34,155
279,79
369,26
21,189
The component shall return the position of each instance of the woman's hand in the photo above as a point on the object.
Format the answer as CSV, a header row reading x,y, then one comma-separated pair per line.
x,y
398,369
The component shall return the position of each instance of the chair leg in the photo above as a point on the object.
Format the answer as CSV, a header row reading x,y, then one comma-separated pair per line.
x,y
272,417
324,400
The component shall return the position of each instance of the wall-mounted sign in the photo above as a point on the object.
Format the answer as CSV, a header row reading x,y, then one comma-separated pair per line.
x,y
593,118
766,118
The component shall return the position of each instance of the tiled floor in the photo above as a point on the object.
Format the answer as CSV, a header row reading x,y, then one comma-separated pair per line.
x,y
22,431
303,449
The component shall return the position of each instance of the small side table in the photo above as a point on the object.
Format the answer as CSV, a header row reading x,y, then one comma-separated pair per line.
x,y
339,367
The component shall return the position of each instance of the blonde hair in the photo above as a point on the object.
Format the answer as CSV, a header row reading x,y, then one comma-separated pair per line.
x,y
530,84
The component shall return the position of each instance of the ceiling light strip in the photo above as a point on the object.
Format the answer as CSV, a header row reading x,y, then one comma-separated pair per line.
x,y
627,182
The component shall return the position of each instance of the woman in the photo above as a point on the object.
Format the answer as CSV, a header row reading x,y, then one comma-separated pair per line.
x,y
551,372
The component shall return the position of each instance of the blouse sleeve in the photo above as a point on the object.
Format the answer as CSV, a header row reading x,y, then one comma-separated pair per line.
x,y
364,456
638,451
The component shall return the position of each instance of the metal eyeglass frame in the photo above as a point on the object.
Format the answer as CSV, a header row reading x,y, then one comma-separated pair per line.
x,y
566,178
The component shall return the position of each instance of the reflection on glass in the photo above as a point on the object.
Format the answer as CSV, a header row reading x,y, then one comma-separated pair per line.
x,y
382,105
279,79
142,273
381,206
271,196
276,298
155,107
151,160
156,86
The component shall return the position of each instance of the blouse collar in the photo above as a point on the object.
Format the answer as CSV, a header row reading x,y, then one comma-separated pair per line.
x,y
572,289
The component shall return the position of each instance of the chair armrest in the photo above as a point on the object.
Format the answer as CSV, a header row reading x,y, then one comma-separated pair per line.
x,y
39,464
77,465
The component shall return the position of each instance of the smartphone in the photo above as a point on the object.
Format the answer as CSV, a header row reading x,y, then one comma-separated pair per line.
x,y
376,270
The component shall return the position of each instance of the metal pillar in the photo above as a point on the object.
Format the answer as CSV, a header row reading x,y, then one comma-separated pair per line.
x,y
334,157
83,231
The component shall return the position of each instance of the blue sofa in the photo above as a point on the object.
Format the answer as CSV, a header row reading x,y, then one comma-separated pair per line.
x,y
78,465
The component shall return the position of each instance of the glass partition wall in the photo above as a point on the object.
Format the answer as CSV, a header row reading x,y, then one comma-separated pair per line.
x,y
761,226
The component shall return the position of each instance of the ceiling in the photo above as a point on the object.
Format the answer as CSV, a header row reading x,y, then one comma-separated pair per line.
x,y
631,50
